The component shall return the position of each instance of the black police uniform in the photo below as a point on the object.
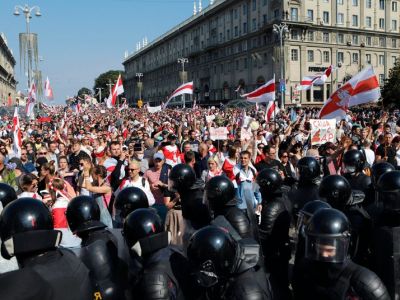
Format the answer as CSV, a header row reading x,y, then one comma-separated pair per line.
x,y
274,230
224,268
326,272
165,268
127,200
99,251
386,232
26,229
377,170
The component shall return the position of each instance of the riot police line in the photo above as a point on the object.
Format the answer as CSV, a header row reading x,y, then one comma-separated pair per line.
x,y
323,238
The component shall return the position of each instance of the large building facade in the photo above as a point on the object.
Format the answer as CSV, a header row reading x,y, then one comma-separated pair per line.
x,y
232,43
7,80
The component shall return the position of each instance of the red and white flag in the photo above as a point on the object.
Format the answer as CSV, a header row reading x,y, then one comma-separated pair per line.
x,y
272,111
17,134
360,89
264,93
308,81
116,91
48,91
186,88
30,104
123,106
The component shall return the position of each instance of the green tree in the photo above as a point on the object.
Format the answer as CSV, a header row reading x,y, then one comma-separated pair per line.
x,y
391,89
84,91
106,78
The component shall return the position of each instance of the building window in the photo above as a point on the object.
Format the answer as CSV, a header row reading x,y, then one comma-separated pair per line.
x,y
368,58
276,13
354,20
310,15
264,2
368,22
369,41
340,38
254,5
325,17
382,42
382,4
265,58
382,23
295,54
264,19
235,13
236,31
394,25
228,34
237,65
340,57
381,59
310,35
340,19
326,56
294,14
381,79
245,63
244,8
340,2
310,55
355,2
354,39
325,37
294,35
244,27
368,3
394,6
355,57
253,24
394,43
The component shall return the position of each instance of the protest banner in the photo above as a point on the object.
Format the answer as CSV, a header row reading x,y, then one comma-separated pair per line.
x,y
323,131
219,133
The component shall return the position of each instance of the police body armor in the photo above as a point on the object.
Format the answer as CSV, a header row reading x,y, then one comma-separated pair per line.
x,y
386,264
301,194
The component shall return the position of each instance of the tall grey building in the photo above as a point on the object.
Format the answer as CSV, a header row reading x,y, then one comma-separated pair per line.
x,y
231,43
7,80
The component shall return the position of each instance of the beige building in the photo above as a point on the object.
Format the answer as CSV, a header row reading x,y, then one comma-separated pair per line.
x,y
7,80
232,43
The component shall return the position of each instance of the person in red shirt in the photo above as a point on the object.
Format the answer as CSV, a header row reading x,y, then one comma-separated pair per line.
x,y
230,162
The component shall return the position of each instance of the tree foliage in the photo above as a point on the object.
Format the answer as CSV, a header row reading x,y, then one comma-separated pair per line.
x,y
106,78
84,91
391,89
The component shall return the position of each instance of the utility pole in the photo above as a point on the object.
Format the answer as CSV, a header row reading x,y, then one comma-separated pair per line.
x,y
182,61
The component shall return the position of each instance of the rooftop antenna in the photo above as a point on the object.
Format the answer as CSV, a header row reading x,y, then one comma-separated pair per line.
x,y
200,6
194,8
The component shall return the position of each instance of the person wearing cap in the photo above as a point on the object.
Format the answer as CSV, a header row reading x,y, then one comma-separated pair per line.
x,y
158,180
171,150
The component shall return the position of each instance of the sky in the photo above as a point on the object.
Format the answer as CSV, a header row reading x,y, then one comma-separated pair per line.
x,y
80,39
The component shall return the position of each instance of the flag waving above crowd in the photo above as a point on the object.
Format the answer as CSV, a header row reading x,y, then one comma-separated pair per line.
x,y
264,93
360,89
186,88
308,81
48,91
30,104
116,91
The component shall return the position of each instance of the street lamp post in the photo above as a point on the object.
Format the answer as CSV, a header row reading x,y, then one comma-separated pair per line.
x,y
281,30
27,11
99,89
182,61
139,75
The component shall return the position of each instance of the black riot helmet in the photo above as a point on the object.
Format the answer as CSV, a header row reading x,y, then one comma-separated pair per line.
x,y
140,224
219,191
389,191
7,194
130,199
308,210
378,169
328,236
181,178
83,214
309,169
212,253
353,161
336,190
26,226
269,180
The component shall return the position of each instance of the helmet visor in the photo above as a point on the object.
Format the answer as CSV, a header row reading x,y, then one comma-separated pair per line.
x,y
327,249
206,275
348,169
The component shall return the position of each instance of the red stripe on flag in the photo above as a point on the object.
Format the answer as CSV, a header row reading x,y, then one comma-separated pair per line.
x,y
264,90
186,86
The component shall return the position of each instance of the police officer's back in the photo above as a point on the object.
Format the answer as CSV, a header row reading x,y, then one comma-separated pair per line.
x,y
99,250
26,229
327,272
164,266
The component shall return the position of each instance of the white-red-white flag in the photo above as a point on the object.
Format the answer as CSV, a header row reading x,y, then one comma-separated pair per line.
x,y
360,89
271,111
17,134
264,93
117,90
308,81
48,91
123,106
30,103
186,88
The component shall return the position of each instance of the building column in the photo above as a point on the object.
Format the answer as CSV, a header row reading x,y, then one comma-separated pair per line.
x,y
362,14
303,62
